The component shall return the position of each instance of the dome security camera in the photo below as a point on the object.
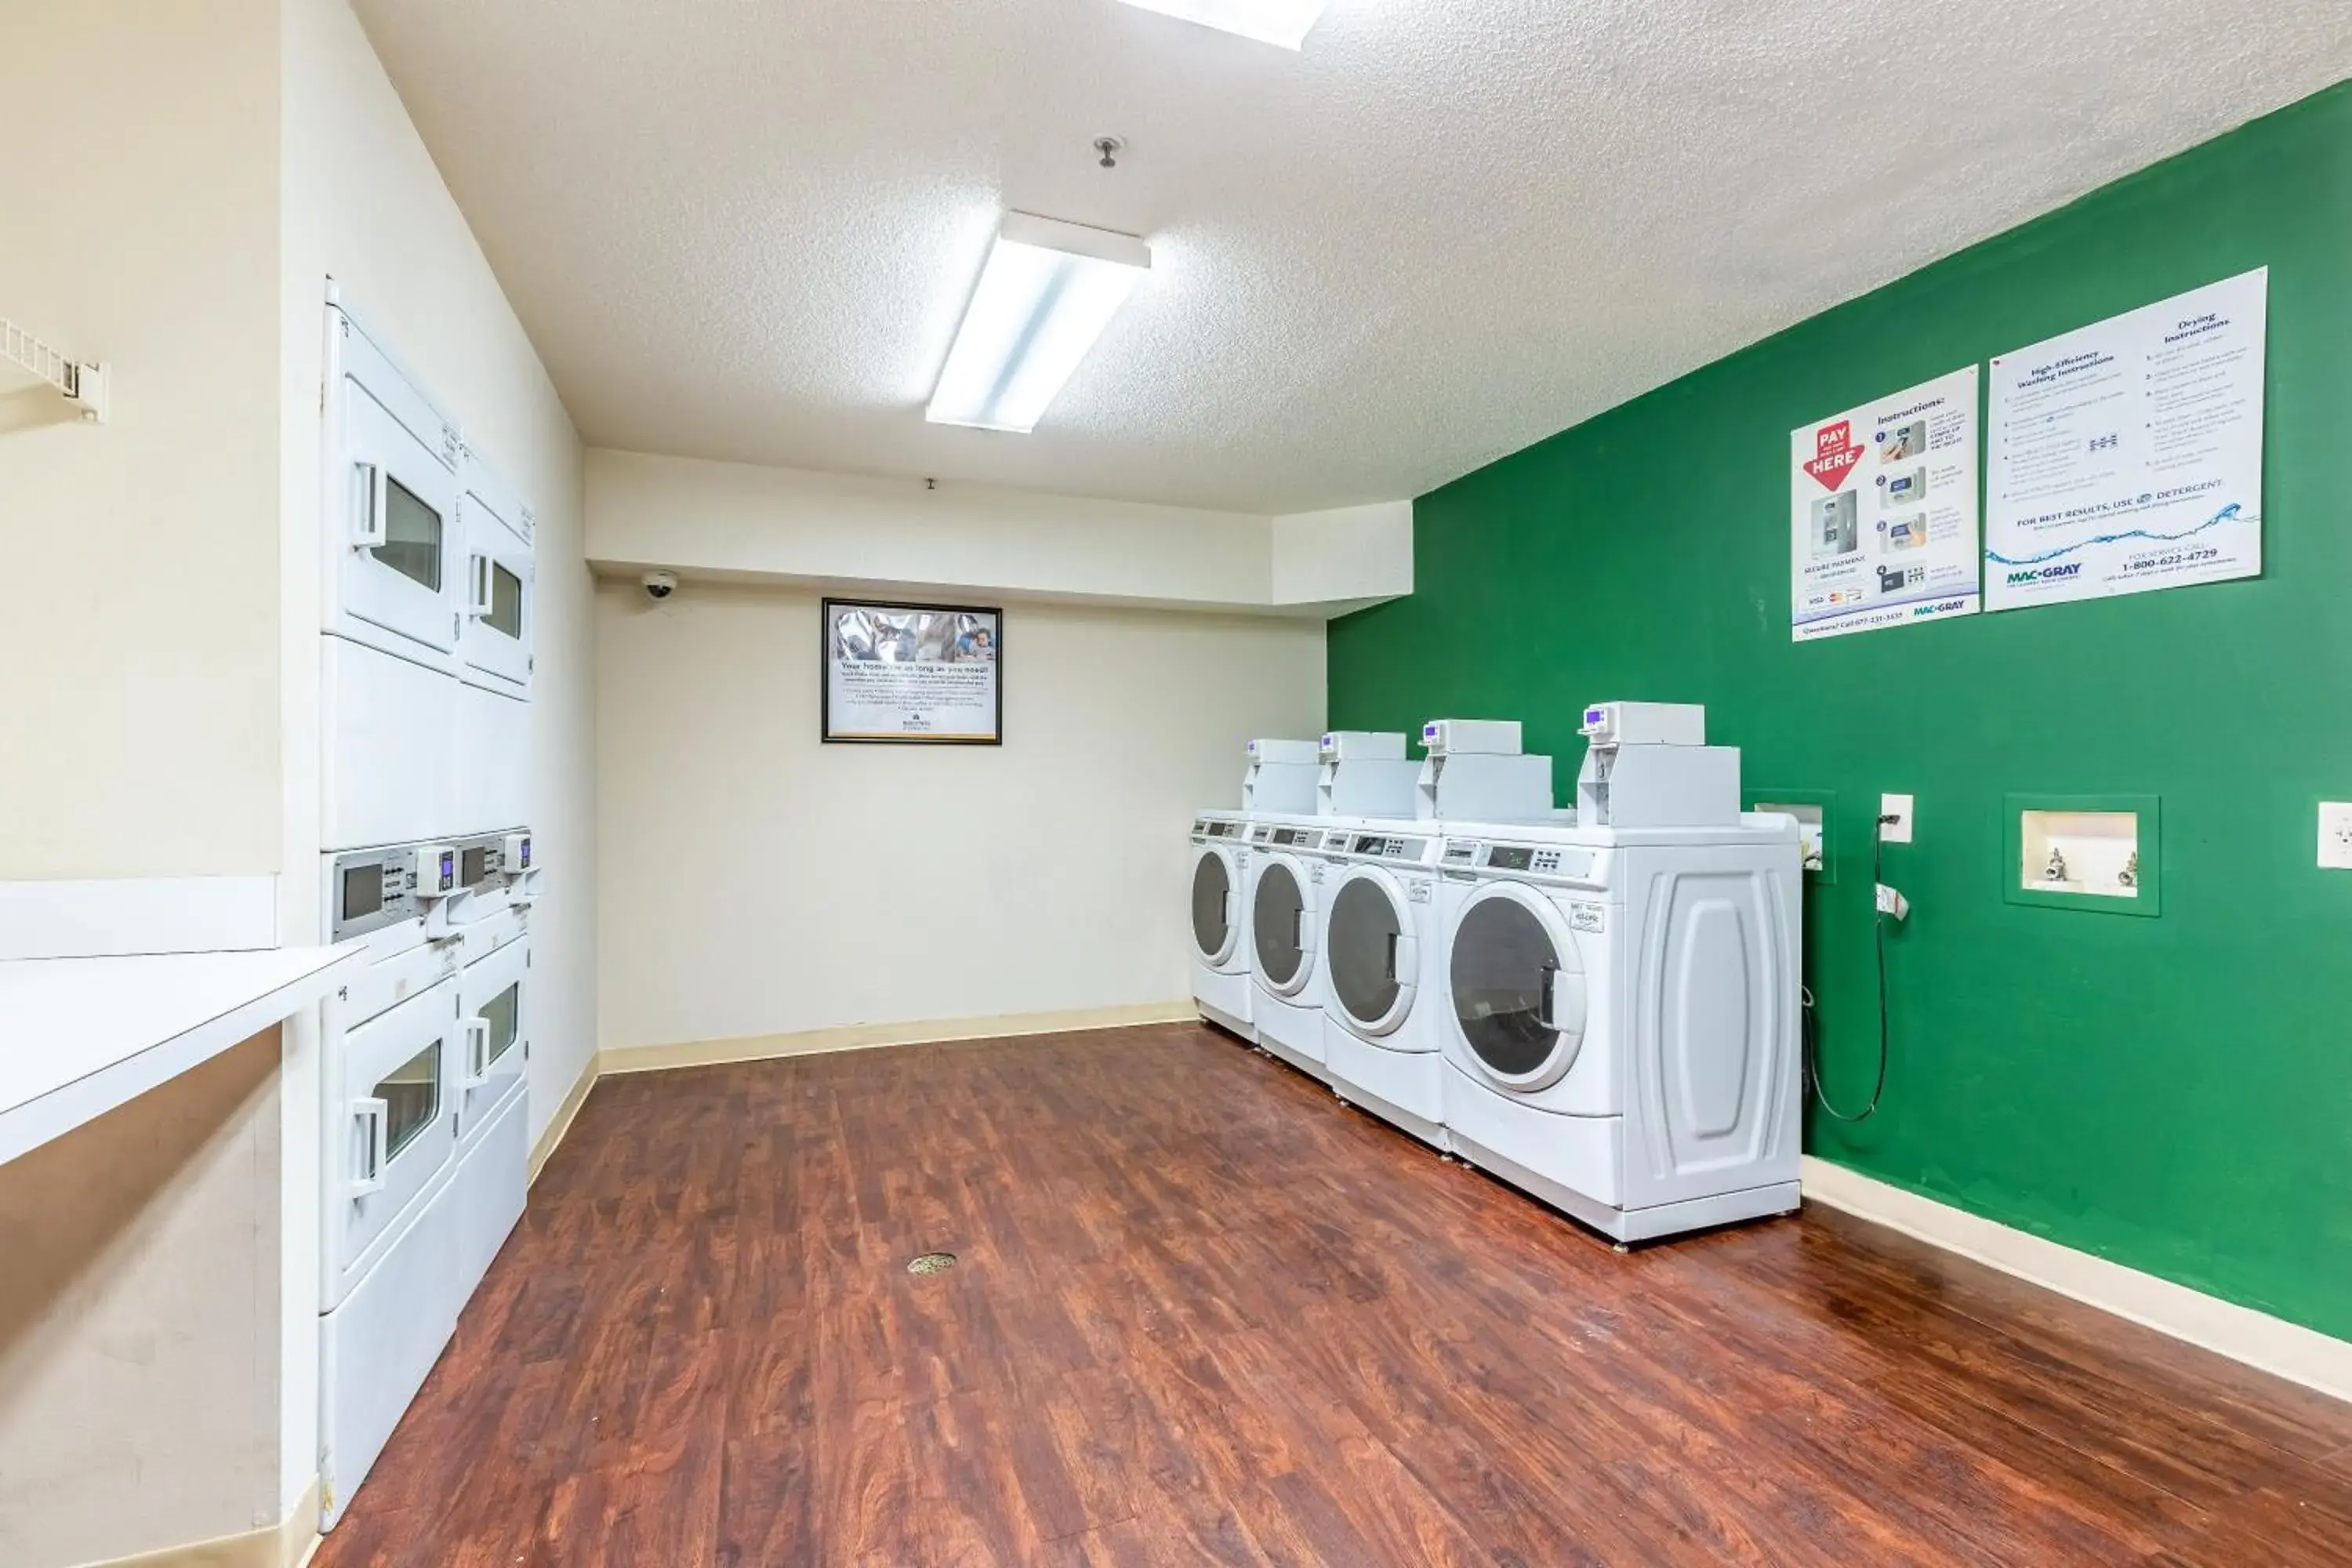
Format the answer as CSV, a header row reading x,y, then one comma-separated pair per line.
x,y
659,585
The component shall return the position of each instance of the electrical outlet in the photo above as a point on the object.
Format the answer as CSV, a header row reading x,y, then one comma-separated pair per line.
x,y
2335,834
1897,806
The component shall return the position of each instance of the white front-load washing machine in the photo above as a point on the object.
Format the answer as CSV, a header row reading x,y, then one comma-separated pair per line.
x,y
1279,778
1620,1019
1220,920
1383,986
1287,866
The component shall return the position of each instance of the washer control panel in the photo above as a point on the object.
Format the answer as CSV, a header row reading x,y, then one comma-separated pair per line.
x,y
1546,860
1383,847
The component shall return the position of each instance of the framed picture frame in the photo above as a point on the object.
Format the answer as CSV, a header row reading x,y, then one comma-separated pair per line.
x,y
902,674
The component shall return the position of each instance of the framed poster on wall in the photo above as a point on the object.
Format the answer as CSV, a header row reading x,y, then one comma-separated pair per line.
x,y
1883,511
913,674
2127,455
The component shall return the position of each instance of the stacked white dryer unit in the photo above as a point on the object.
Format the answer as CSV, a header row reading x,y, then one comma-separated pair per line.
x,y
1621,995
1278,780
1381,920
426,670
1361,776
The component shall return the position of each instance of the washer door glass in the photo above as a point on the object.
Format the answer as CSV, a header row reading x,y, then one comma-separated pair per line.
x,y
1275,919
1211,885
1503,963
1366,928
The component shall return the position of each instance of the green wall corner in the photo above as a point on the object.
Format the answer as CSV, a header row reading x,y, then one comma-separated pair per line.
x,y
2175,1094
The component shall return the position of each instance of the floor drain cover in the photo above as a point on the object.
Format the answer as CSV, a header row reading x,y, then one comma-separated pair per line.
x,y
931,1263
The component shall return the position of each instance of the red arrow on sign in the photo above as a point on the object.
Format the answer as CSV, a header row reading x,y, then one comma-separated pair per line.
x,y
1834,454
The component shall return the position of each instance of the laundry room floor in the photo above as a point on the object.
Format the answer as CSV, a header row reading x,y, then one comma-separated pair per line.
x,y
1201,1312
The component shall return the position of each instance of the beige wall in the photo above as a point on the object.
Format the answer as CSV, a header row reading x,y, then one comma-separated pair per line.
x,y
139,646
755,881
365,205
183,175
801,527
139,1322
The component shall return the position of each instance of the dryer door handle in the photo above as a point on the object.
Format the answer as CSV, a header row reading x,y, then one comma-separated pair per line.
x,y
374,1115
476,1056
374,505
478,587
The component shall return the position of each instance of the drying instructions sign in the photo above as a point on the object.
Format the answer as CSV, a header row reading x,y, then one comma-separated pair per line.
x,y
2127,456
1883,511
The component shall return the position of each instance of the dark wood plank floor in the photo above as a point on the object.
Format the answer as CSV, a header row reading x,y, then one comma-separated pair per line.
x,y
1204,1314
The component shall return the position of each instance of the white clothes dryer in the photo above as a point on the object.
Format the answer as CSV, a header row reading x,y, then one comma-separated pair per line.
x,y
1621,1035
423,1054
1220,920
1287,867
1384,956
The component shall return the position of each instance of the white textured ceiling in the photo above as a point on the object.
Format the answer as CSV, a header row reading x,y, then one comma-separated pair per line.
x,y
746,228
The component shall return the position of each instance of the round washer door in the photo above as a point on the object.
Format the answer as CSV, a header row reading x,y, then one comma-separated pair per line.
x,y
1215,901
1369,950
1282,924
1516,986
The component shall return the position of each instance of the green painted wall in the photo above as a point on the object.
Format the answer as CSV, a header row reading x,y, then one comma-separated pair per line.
x,y
2174,1093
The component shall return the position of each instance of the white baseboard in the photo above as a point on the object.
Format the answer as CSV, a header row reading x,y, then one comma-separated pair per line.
x,y
123,917
2271,1344
573,1098
866,1036
289,1544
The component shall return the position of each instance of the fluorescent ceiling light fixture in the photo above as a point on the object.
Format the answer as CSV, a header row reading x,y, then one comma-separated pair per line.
x,y
1283,22
1048,290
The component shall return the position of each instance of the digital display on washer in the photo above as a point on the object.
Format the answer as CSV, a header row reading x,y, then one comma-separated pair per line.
x,y
1510,857
1370,844
1289,836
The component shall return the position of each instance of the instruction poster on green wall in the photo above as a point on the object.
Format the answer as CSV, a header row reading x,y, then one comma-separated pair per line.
x,y
1883,511
2127,456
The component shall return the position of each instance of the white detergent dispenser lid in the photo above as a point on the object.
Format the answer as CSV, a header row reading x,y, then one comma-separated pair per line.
x,y
1364,746
1457,737
1291,751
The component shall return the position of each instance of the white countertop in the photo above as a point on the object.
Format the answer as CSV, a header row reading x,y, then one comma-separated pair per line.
x,y
80,1035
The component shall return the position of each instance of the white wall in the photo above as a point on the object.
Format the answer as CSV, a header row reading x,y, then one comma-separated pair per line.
x,y
137,646
138,1323
140,1309
799,526
756,881
364,203
1346,558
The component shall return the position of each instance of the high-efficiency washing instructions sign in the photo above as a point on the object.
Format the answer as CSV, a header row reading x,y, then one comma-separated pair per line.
x,y
1883,511
2127,456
